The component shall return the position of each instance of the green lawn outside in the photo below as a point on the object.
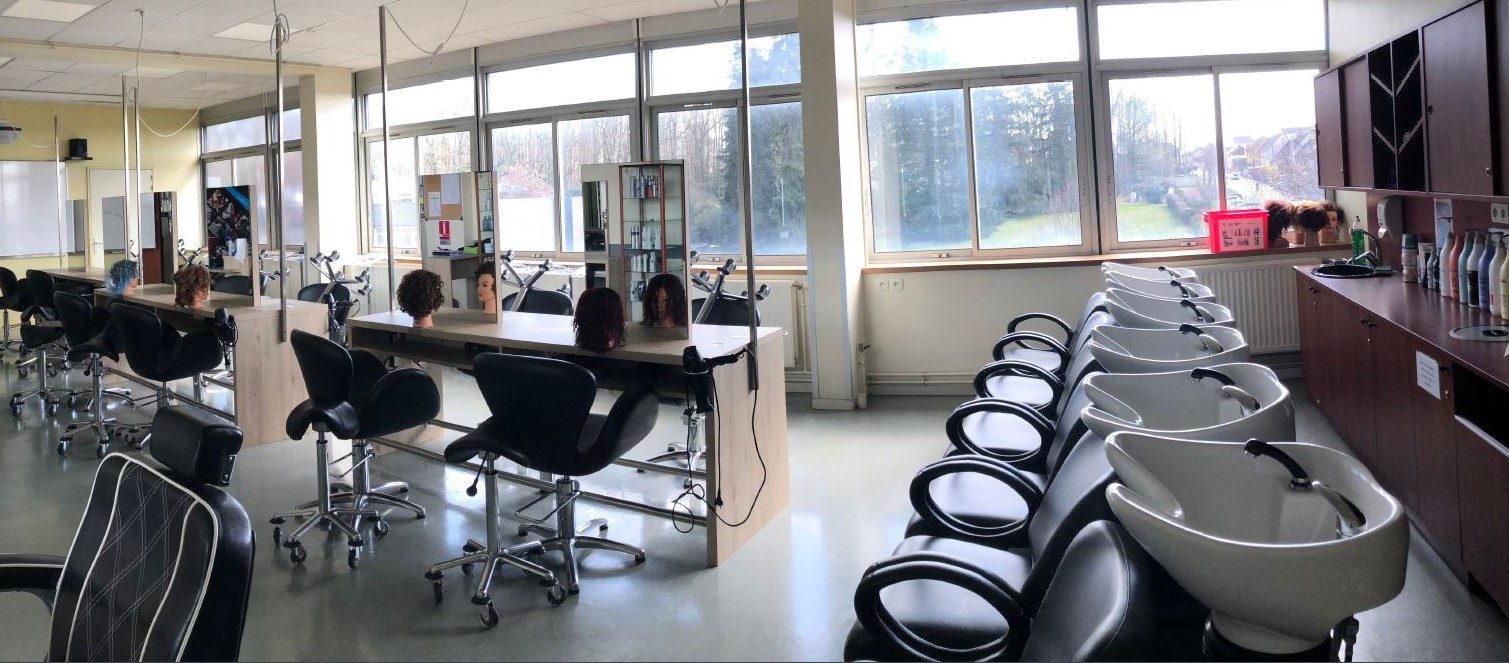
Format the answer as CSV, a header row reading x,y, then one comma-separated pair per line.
x,y
1147,221
1027,231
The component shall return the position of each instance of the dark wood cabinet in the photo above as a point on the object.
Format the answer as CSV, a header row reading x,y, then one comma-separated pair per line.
x,y
1329,136
1394,398
1484,478
1458,111
1357,117
1308,298
1499,21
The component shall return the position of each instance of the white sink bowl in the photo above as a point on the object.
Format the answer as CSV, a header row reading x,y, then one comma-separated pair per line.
x,y
1175,404
1266,558
1143,312
1167,289
1129,350
1159,273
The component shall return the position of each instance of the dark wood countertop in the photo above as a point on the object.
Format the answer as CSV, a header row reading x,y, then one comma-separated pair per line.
x,y
1427,316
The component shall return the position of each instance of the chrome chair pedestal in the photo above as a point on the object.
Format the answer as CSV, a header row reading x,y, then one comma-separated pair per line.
x,y
692,453
47,393
325,512
104,427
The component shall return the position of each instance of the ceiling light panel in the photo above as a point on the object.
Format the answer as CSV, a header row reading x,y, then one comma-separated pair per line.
x,y
247,31
47,10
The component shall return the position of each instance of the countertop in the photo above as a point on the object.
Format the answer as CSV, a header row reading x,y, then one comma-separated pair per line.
x,y
160,296
1427,316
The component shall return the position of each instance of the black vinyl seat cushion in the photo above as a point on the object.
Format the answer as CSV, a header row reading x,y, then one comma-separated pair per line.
x,y
156,351
87,328
353,394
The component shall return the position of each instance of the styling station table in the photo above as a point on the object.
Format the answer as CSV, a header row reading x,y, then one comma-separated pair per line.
x,y
93,278
748,427
267,384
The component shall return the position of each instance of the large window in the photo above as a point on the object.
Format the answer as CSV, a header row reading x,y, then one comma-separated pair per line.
x,y
962,42
538,171
1269,138
234,154
773,60
1210,27
780,180
919,171
422,103
708,140
1163,137
1026,165
606,78
412,157
585,141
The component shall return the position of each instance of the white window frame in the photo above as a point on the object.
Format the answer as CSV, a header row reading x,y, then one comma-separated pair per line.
x,y
267,151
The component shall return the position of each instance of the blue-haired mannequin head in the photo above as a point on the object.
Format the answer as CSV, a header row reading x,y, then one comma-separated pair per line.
x,y
122,277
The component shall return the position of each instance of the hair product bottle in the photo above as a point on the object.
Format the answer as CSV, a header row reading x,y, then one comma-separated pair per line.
x,y
1449,266
1485,266
1495,284
1468,268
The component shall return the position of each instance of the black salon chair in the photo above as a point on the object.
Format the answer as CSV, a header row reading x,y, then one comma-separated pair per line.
x,y
1099,605
90,339
726,311
238,284
352,396
223,326
15,297
337,299
155,351
1025,382
548,302
542,420
160,568
1053,354
41,337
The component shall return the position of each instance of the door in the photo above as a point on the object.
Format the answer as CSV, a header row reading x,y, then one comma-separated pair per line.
x,y
1329,137
1458,111
1484,467
1393,430
1437,507
1356,104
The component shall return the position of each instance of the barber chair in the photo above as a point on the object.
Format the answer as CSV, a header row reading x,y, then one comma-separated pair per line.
x,y
542,420
41,332
89,335
160,567
548,302
157,352
15,297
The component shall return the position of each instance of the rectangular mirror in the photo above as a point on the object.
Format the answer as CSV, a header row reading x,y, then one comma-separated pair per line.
x,y
228,223
635,239
456,229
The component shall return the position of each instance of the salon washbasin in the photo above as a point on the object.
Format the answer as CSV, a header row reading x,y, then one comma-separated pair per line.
x,y
1159,273
1129,350
1144,312
1224,402
1166,289
1279,561
1343,270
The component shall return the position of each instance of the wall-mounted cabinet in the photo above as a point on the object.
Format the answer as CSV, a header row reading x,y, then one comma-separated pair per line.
x,y
1396,114
1459,111
1356,100
1329,135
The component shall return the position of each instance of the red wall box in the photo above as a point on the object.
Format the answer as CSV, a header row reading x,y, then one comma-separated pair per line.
x,y
1237,230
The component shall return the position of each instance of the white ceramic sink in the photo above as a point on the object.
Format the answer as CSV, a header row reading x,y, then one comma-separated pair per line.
x,y
1143,312
1167,289
1129,350
1159,273
1268,558
1231,402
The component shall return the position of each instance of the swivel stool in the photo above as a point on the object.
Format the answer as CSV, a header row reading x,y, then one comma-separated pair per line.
x,y
89,333
40,332
542,420
353,396
14,298
157,352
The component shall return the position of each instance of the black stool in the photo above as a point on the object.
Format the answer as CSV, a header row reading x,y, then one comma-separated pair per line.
x,y
14,298
157,352
89,332
40,332
542,420
353,396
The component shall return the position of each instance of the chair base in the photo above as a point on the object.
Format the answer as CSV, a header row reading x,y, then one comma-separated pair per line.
x,y
690,455
51,397
346,508
105,429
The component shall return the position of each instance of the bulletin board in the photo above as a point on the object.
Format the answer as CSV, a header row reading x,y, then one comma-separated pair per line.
x,y
441,209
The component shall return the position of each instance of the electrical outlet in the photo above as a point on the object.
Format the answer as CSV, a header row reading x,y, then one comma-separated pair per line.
x,y
897,285
1500,212
884,285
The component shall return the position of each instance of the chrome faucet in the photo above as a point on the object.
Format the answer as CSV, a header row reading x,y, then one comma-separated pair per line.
x,y
1349,519
1372,257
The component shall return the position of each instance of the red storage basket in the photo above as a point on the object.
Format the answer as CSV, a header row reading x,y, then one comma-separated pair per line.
x,y
1237,230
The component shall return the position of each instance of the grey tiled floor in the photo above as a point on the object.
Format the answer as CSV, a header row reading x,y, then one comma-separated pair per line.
x,y
787,595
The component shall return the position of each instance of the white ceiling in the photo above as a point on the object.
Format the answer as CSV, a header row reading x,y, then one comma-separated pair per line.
x,y
339,33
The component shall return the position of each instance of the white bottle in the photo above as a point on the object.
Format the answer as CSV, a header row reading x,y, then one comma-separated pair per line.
x,y
1502,279
1495,284
1470,271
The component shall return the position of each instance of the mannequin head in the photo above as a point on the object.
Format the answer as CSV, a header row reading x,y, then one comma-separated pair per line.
x,y
665,302
487,288
599,320
123,278
420,294
191,286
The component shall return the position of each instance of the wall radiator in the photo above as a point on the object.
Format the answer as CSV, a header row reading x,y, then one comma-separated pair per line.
x,y
1261,295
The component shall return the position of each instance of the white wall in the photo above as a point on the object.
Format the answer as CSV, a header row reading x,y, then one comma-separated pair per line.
x,y
1357,25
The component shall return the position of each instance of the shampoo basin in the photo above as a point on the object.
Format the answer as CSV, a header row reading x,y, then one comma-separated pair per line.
x,y
1230,402
1343,270
1129,350
1280,562
1159,273
1143,312
1167,289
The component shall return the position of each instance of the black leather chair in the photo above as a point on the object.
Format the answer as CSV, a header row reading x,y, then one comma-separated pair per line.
x,y
41,333
15,297
237,284
726,311
1053,355
1027,383
542,420
223,326
90,339
352,396
160,568
549,302
1098,606
337,299
157,352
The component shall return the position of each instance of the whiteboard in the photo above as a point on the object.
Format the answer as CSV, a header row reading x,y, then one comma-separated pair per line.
x,y
30,208
108,183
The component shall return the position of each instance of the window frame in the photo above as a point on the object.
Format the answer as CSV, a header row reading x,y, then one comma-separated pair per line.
x,y
268,152
364,148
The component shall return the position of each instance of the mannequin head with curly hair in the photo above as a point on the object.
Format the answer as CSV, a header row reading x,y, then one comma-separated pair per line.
x,y
191,286
420,294
599,320
123,278
665,302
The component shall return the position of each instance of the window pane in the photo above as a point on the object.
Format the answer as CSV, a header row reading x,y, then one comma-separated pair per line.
x,y
1163,140
293,128
218,173
593,140
402,194
593,79
780,182
445,153
918,171
1268,129
422,103
707,139
238,133
1026,165
523,168
773,60
1162,29
978,40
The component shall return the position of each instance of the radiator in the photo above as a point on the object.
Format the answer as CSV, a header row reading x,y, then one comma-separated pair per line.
x,y
782,308
1261,297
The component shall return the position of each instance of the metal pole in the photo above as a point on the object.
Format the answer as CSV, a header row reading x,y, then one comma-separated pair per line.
x,y
125,161
57,158
746,185
134,203
275,171
387,201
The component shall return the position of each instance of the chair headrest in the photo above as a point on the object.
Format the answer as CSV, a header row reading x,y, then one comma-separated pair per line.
x,y
196,444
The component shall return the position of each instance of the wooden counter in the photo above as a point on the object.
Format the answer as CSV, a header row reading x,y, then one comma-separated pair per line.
x,y
268,383
752,424
88,276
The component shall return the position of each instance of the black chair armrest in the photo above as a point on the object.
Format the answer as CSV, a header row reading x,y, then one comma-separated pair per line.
x,y
937,567
1059,322
1020,369
401,399
961,440
34,574
1002,536
998,351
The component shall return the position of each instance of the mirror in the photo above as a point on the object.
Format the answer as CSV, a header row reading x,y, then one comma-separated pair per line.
x,y
228,226
635,234
456,228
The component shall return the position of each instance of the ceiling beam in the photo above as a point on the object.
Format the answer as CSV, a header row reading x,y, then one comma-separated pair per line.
x,y
26,48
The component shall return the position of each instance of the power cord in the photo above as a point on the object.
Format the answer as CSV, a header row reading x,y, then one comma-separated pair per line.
x,y
698,491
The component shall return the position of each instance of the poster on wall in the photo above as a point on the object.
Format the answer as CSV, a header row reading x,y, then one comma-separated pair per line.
x,y
228,222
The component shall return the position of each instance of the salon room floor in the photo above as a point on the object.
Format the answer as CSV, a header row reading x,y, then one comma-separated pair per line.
x,y
785,596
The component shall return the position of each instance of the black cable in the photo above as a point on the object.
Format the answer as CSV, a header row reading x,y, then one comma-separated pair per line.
x,y
699,492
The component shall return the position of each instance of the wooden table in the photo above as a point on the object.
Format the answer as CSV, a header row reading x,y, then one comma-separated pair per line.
x,y
94,278
745,417
267,383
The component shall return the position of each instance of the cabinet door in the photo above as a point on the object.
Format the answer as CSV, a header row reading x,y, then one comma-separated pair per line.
x,y
1356,104
1485,508
1436,482
1393,429
1329,137
1458,113
1311,342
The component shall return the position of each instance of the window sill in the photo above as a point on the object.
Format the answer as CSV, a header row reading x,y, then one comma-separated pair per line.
x,y
1138,257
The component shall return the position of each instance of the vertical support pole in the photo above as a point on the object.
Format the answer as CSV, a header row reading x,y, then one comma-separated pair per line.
x,y
746,195
63,229
275,173
125,164
387,152
133,203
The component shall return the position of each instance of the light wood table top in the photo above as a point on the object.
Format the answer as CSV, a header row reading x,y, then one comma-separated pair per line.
x,y
160,296
553,333
86,274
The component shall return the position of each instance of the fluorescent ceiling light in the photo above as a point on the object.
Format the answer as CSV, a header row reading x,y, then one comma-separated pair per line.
x,y
153,72
47,10
247,31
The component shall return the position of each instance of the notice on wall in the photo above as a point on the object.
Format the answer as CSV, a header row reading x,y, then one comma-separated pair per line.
x,y
450,189
1428,374
432,204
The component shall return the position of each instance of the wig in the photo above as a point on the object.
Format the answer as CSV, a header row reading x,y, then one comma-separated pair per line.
x,y
421,293
1280,217
1312,216
675,294
122,273
599,320
188,283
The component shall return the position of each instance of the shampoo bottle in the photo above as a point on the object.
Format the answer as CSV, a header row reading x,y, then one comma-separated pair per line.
x,y
1449,266
1495,284
1467,269
1503,278
1485,266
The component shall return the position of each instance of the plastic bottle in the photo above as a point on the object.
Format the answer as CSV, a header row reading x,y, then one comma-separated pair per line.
x,y
1495,280
1431,269
1468,268
1485,270
1409,266
1449,266
1422,259
1504,286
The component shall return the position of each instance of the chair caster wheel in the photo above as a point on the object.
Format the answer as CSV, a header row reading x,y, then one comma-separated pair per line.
x,y
556,595
297,554
468,548
670,448
351,558
22,372
603,527
73,400
52,407
489,616
438,591
277,535
62,448
102,450
380,528
403,489
639,470
15,409
466,569
639,559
